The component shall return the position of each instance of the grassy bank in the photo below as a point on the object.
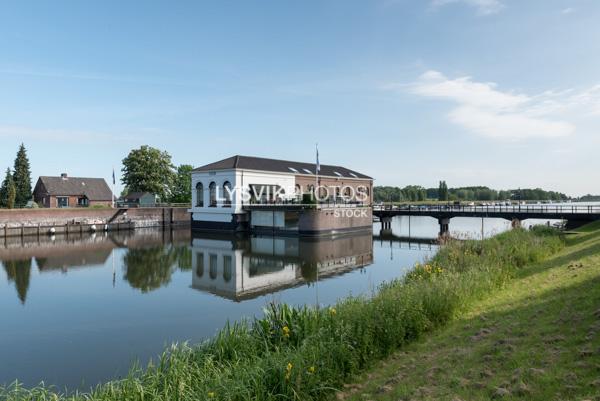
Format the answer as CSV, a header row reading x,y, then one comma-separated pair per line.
x,y
307,354
536,339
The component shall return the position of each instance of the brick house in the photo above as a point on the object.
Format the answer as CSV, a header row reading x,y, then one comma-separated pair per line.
x,y
65,191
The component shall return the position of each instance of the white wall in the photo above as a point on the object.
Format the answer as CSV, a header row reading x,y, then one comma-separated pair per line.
x,y
239,180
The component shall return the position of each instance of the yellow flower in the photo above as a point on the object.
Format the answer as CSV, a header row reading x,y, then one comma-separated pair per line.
x,y
211,394
286,331
288,371
332,311
311,370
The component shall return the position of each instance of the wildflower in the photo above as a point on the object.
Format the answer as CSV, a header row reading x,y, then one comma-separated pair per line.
x,y
311,370
286,331
211,394
288,371
332,311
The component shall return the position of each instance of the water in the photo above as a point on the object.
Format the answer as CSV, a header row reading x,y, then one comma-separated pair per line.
x,y
79,310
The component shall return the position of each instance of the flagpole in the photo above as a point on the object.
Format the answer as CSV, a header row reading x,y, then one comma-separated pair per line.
x,y
317,167
112,194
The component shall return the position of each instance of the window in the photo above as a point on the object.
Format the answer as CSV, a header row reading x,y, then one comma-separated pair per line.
x,y
227,268
307,171
212,266
212,191
338,174
199,264
82,201
353,175
293,170
227,194
199,195
62,201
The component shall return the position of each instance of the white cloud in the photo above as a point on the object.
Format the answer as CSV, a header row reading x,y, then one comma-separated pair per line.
x,y
483,109
484,7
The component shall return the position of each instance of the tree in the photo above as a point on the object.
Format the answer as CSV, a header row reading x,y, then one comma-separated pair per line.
x,y
443,191
182,187
149,170
22,178
7,191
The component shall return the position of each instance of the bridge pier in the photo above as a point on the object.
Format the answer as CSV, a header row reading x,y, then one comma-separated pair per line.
x,y
444,226
515,223
386,224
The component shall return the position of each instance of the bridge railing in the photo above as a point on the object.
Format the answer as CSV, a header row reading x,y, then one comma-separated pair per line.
x,y
525,209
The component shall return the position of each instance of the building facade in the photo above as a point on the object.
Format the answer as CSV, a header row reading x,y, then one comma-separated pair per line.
x,y
248,193
65,191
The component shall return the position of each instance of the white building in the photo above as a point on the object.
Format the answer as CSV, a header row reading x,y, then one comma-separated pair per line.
x,y
246,193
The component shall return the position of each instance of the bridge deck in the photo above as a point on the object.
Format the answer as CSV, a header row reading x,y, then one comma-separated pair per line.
x,y
521,212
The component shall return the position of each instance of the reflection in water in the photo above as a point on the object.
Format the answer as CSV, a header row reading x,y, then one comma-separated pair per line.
x,y
19,271
244,268
77,291
150,268
151,256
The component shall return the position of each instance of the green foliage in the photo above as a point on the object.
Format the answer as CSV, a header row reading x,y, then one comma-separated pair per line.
x,y
410,193
5,191
148,170
443,191
306,353
414,193
22,178
182,187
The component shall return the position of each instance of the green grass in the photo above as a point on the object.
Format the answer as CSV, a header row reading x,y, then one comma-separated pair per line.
x,y
536,339
308,354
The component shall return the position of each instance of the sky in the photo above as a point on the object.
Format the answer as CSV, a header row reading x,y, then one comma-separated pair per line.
x,y
474,92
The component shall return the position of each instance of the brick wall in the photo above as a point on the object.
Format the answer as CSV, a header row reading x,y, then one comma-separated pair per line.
x,y
139,217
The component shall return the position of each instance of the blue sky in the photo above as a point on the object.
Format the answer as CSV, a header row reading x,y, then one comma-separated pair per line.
x,y
477,92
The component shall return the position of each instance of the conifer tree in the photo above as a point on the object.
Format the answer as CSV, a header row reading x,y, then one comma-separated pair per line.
x,y
22,178
4,188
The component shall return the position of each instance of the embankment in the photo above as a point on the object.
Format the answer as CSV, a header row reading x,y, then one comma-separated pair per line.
x,y
307,353
24,222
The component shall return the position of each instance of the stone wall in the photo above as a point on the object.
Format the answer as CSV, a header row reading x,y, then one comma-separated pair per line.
x,y
41,221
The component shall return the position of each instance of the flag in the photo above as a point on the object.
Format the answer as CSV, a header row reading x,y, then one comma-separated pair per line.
x,y
318,164
113,176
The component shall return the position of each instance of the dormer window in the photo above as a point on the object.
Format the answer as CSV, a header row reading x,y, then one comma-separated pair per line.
x,y
338,174
353,175
307,171
293,170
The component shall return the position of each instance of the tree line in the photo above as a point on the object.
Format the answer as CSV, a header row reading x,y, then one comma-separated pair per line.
x,y
414,193
15,190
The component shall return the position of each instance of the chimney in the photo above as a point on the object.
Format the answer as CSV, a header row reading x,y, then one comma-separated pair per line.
x,y
64,176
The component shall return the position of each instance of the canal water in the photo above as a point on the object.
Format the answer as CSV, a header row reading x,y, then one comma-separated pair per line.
x,y
78,310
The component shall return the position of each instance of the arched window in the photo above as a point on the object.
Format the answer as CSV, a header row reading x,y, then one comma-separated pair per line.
x,y
227,194
199,195
212,191
311,189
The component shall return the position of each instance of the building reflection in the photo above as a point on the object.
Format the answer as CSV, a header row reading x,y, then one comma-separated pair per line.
x,y
240,268
150,258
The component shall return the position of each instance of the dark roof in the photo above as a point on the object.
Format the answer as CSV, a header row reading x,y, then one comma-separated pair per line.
x,y
95,189
280,166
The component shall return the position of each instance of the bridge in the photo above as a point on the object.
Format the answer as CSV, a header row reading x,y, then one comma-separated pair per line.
x,y
574,215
